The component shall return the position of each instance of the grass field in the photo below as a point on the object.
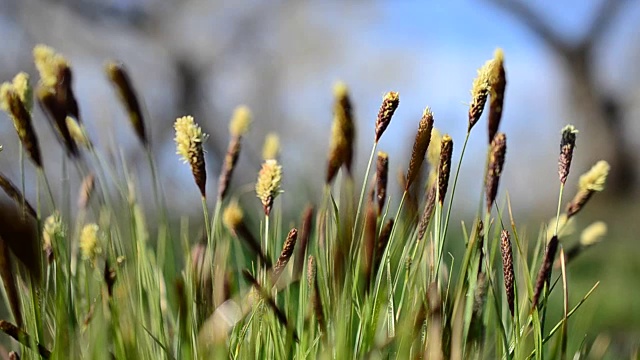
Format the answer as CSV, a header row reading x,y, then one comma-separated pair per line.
x,y
87,276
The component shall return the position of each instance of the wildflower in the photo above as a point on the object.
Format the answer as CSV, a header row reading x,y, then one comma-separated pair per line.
x,y
11,101
189,139
479,93
232,216
48,63
591,182
271,147
268,184
238,126
233,220
89,242
497,84
51,230
77,132
593,234
240,121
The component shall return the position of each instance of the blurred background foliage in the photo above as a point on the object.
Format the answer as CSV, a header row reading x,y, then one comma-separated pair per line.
x,y
567,62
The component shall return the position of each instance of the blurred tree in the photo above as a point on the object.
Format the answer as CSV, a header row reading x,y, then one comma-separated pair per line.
x,y
198,57
600,114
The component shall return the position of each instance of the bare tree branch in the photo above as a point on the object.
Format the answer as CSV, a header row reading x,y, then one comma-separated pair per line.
x,y
528,16
606,13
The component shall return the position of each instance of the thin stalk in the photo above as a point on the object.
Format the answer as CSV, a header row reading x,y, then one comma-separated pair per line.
x,y
453,191
364,188
558,210
565,302
215,221
66,198
161,209
386,259
205,212
266,236
22,175
44,178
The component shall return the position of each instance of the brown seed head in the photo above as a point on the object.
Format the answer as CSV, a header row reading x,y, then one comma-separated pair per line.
x,y
305,234
343,113
229,165
342,133
58,118
21,234
64,93
480,240
545,269
314,290
507,268
311,272
370,241
383,240
11,102
14,193
446,152
56,76
496,163
420,145
425,219
382,177
117,73
567,144
479,93
498,83
285,254
390,103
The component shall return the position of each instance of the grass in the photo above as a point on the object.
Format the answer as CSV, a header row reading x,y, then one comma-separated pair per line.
x,y
364,284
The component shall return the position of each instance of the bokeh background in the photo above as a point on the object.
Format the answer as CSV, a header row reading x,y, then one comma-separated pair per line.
x,y
572,61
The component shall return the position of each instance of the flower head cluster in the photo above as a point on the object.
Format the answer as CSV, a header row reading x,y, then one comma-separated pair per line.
x,y
189,139
89,242
594,179
268,184
48,63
